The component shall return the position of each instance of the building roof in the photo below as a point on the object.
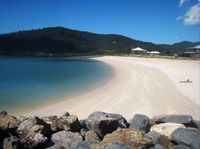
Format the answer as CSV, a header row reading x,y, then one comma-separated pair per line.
x,y
154,52
138,49
196,47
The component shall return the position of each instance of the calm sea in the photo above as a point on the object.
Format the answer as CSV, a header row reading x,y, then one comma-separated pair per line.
x,y
33,81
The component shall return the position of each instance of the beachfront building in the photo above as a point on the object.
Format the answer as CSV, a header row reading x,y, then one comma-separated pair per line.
x,y
154,53
192,52
139,52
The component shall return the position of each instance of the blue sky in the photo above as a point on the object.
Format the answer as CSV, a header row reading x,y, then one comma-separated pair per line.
x,y
157,21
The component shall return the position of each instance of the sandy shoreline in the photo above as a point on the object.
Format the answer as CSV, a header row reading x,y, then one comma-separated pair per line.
x,y
140,85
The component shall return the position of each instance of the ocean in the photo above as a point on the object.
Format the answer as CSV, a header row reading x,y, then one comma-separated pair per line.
x,y
30,81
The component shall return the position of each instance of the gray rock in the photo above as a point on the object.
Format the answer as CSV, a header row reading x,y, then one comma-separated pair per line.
x,y
140,122
3,113
102,125
159,146
90,145
188,136
11,143
121,120
181,119
8,122
70,123
197,124
91,136
156,137
65,139
181,146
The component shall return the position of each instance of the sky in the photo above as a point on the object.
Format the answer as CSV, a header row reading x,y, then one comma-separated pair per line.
x,y
157,21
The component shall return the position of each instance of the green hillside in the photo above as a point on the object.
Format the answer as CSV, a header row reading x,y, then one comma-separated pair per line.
x,y
63,41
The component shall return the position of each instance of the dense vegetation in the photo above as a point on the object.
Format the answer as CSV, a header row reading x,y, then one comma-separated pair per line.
x,y
62,41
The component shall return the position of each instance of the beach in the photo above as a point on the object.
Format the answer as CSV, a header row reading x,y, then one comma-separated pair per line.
x,y
149,86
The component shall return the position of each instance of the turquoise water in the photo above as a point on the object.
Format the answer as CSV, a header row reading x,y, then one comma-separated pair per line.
x,y
33,81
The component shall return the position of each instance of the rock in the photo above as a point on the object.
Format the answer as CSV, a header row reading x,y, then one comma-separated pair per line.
x,y
181,146
181,119
34,140
65,114
22,119
25,127
159,146
11,143
8,122
65,139
102,125
157,138
54,126
3,113
166,129
33,137
140,122
90,145
121,120
133,139
91,136
82,122
83,131
49,119
33,132
197,124
70,123
188,136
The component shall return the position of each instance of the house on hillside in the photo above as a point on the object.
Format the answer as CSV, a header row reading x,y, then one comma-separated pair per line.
x,y
139,52
154,53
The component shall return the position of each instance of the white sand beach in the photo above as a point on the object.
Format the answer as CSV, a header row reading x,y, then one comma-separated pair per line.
x,y
147,86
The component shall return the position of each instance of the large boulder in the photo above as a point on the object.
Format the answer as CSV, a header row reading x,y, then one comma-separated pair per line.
x,y
70,123
121,120
133,139
188,136
91,136
33,132
181,119
8,122
140,122
65,139
91,145
26,126
102,125
166,129
34,137
11,143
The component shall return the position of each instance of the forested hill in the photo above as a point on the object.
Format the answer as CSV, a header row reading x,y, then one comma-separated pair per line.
x,y
63,41
180,46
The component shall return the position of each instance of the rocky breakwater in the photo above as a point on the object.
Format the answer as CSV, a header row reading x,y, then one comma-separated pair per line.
x,y
99,131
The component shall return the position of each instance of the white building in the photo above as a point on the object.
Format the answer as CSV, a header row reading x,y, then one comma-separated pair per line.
x,y
139,51
154,53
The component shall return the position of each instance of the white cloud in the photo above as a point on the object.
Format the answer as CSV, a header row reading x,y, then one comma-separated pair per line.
x,y
183,1
192,16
